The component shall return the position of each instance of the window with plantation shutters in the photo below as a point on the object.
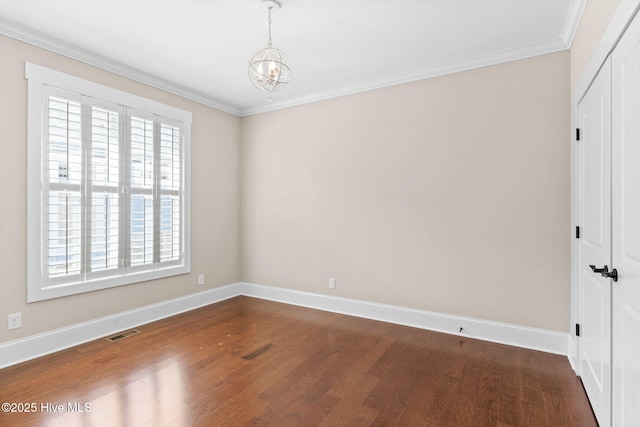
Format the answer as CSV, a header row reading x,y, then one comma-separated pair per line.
x,y
108,187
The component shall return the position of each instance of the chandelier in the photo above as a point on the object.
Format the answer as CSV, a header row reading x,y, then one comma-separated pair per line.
x,y
269,68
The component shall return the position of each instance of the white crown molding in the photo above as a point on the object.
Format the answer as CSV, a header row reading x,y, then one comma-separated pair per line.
x,y
45,42
510,55
573,20
21,350
37,39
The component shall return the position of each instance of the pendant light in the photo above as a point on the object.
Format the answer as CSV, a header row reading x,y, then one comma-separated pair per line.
x,y
269,68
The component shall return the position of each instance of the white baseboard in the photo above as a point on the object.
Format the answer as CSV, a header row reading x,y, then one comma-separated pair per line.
x,y
14,352
21,350
502,333
572,354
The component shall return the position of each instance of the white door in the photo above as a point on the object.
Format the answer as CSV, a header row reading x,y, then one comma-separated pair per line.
x,y
594,194
626,228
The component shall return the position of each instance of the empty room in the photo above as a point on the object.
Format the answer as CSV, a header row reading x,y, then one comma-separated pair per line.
x,y
301,213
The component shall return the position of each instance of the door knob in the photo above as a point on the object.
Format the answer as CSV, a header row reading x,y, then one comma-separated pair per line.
x,y
602,270
613,274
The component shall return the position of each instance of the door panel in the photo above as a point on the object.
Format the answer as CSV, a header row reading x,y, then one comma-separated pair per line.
x,y
594,193
595,301
626,228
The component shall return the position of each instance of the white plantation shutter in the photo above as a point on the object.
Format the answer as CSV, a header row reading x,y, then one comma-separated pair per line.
x,y
108,187
64,240
141,247
104,221
63,179
170,189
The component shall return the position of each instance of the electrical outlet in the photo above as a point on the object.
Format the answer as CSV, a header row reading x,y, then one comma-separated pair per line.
x,y
201,279
14,321
332,283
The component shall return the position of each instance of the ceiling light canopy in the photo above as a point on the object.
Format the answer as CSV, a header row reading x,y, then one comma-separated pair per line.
x,y
269,68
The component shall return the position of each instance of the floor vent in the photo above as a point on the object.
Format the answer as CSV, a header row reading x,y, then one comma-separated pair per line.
x,y
122,335
257,353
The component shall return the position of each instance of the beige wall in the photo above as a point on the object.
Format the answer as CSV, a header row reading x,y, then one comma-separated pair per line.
x,y
449,194
214,201
595,19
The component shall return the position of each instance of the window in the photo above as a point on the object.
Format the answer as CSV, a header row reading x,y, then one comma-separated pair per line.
x,y
108,187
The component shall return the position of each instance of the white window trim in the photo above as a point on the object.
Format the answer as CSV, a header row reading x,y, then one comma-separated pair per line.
x,y
38,79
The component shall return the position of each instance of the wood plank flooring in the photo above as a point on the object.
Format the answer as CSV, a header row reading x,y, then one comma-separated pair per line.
x,y
251,362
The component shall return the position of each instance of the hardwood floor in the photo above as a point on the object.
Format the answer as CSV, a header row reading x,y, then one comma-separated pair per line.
x,y
246,361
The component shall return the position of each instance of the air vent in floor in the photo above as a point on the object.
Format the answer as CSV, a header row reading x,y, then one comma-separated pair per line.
x,y
122,335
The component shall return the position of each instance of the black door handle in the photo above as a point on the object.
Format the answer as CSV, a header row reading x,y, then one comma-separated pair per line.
x,y
613,274
602,270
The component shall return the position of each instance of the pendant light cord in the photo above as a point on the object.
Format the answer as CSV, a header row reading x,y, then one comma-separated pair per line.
x,y
269,45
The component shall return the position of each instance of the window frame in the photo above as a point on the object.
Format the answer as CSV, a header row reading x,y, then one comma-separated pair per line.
x,y
42,81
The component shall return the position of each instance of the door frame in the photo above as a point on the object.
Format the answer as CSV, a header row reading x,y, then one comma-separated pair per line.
x,y
627,9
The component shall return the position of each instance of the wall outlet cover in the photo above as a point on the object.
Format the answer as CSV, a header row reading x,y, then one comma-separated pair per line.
x,y
14,321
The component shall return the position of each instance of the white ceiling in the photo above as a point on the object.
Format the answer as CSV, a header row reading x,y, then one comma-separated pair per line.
x,y
200,48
